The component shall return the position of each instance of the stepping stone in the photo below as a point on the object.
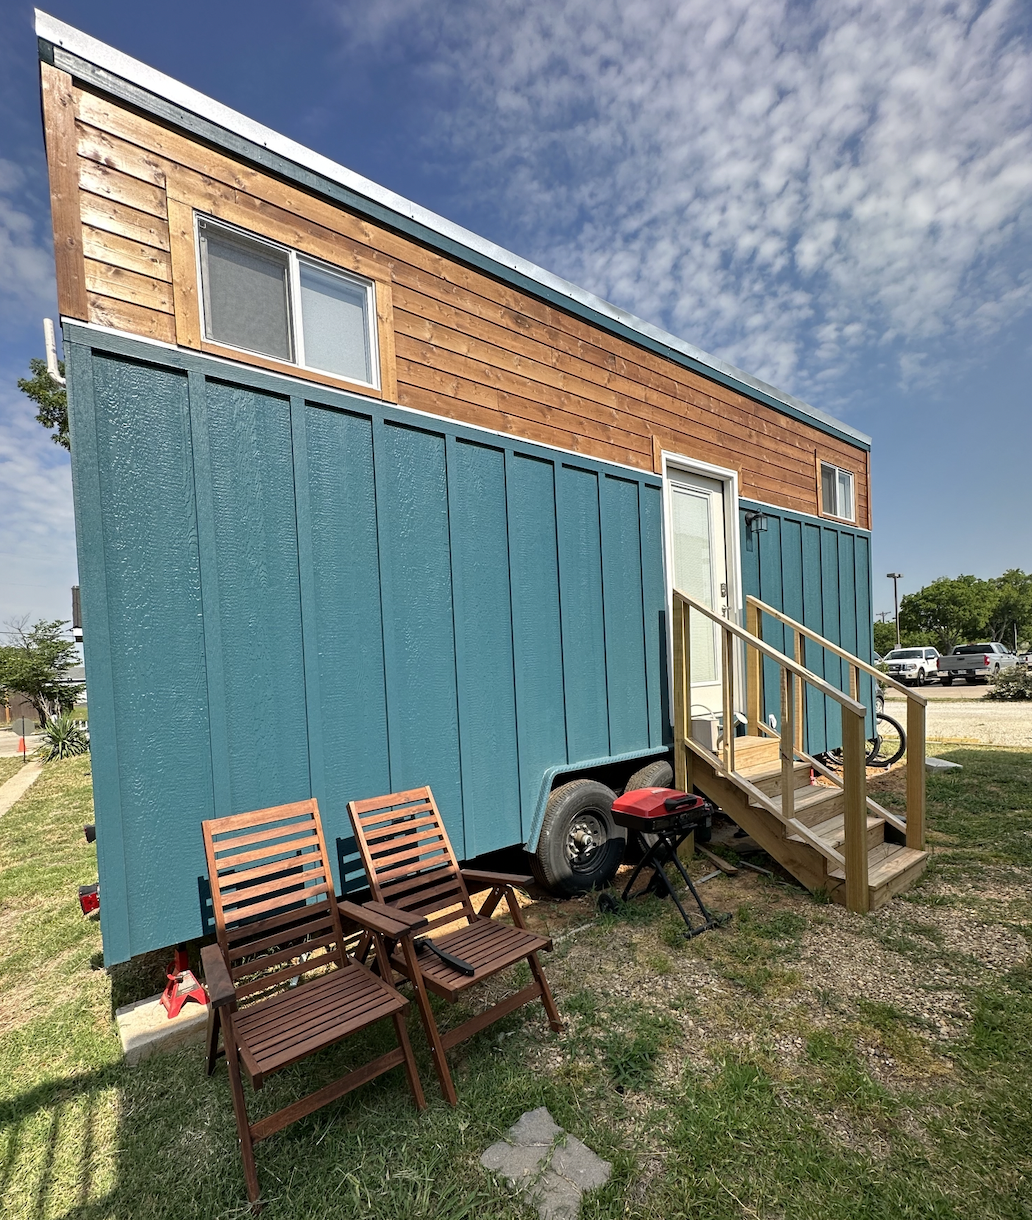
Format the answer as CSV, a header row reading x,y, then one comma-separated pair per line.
x,y
939,766
550,1168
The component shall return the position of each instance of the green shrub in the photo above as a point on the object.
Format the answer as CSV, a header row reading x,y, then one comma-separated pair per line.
x,y
62,738
1011,684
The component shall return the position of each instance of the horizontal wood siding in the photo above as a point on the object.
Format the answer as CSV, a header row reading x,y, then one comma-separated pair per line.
x,y
465,346
418,602
820,574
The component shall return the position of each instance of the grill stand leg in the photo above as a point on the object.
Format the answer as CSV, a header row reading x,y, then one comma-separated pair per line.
x,y
670,844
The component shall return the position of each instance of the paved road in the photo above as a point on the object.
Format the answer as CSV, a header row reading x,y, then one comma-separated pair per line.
x,y
9,745
935,692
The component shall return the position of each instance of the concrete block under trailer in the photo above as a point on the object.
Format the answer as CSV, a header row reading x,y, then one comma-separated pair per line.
x,y
288,590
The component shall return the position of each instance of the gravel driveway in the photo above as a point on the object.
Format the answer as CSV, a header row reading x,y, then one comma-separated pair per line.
x,y
975,721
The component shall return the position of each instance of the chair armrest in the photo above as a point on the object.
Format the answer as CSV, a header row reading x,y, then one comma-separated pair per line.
x,y
217,980
412,922
373,921
477,880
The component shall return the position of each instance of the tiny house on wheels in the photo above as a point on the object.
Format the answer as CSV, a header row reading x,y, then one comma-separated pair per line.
x,y
364,502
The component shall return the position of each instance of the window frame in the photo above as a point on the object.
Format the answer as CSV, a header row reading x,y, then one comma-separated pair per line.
x,y
825,511
295,316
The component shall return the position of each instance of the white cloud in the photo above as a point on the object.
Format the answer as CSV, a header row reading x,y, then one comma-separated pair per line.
x,y
784,184
26,257
37,531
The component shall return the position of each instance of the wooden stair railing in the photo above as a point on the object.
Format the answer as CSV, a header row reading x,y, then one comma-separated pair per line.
x,y
916,713
850,830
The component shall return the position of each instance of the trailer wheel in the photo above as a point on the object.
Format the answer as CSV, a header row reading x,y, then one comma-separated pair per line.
x,y
654,775
580,846
945,681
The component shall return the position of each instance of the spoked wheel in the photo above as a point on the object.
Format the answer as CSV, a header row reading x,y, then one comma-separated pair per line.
x,y
876,744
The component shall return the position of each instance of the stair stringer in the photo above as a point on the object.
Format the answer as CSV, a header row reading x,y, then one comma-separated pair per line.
x,y
808,866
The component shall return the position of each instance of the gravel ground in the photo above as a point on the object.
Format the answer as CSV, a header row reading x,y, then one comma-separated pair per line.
x,y
990,724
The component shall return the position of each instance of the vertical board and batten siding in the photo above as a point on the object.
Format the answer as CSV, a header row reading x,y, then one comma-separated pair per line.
x,y
289,591
819,573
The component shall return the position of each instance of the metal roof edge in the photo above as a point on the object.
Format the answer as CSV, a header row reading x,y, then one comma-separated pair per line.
x,y
419,222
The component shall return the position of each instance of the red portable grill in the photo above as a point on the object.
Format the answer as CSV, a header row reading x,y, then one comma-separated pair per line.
x,y
669,817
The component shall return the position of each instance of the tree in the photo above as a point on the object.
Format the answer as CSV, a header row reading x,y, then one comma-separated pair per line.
x,y
951,611
36,664
1011,619
884,637
50,397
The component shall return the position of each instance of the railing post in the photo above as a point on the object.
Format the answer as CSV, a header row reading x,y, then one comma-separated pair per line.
x,y
753,671
854,796
728,666
677,689
682,697
916,774
786,746
800,695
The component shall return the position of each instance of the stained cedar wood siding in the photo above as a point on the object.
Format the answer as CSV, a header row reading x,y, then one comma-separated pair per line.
x,y
464,345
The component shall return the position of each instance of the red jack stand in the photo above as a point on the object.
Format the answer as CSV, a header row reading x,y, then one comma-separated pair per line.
x,y
182,985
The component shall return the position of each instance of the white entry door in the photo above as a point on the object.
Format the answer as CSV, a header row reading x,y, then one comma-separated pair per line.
x,y
698,544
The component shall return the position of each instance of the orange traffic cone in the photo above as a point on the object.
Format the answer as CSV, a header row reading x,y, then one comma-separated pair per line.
x,y
21,746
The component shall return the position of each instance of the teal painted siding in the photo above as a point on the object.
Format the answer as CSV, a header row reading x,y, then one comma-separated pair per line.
x,y
819,573
290,591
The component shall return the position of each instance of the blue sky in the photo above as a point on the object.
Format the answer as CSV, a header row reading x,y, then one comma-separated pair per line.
x,y
836,197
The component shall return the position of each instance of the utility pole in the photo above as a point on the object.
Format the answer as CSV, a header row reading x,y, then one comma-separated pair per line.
x,y
894,577
883,615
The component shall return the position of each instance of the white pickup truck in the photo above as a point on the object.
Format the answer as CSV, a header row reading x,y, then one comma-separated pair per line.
x,y
974,661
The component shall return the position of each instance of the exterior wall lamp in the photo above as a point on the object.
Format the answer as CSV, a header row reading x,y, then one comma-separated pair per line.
x,y
756,521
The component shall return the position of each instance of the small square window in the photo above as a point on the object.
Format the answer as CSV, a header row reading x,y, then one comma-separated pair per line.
x,y
837,492
264,298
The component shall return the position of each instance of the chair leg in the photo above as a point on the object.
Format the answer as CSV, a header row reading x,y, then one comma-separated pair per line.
x,y
214,1025
546,993
410,1061
243,1126
433,1035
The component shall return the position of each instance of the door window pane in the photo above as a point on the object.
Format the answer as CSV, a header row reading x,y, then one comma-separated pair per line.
x,y
245,292
693,574
335,324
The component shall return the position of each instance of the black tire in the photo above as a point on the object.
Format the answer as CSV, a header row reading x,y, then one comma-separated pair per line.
x,y
658,774
970,679
580,846
920,677
879,702
874,747
945,681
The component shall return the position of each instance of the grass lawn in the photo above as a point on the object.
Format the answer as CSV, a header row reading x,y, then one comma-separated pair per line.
x,y
803,1063
10,765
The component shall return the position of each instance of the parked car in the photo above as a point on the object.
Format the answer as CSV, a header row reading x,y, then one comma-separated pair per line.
x,y
974,661
912,664
1025,658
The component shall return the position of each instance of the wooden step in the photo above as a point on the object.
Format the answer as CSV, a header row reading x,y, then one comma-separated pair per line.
x,y
768,778
832,831
813,799
891,868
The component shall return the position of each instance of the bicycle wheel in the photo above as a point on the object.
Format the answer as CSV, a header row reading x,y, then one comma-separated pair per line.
x,y
874,746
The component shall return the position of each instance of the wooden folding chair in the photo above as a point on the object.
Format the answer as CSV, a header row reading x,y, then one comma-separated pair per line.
x,y
416,879
280,982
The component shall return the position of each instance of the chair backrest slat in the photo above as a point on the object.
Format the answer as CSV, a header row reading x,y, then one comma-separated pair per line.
x,y
408,856
272,895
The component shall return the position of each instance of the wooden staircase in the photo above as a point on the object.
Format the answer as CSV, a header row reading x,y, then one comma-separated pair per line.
x,y
831,836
